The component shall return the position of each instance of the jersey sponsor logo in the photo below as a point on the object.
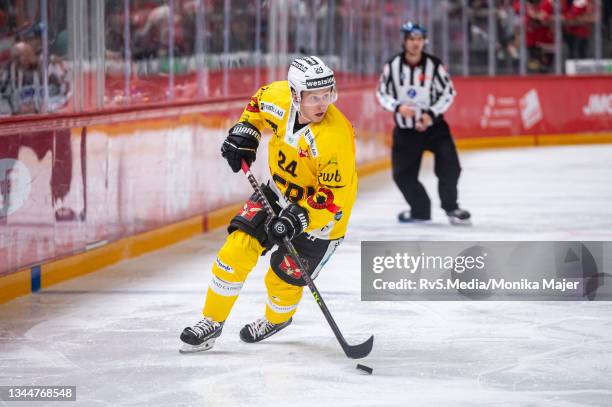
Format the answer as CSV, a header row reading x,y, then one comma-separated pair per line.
x,y
272,109
299,66
293,192
330,177
223,266
338,216
253,105
311,143
411,93
303,153
250,209
320,83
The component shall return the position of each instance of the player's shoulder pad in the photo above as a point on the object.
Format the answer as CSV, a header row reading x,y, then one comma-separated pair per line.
x,y
276,89
273,99
335,125
335,133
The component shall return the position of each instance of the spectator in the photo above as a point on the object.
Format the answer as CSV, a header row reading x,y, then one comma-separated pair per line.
x,y
59,73
31,33
153,39
7,32
478,35
578,19
507,50
545,38
21,82
114,39
539,38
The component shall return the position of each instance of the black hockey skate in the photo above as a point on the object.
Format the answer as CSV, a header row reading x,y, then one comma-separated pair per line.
x,y
405,217
201,336
459,217
261,329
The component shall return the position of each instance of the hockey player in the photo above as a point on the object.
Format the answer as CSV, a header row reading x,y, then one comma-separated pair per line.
x,y
312,189
416,88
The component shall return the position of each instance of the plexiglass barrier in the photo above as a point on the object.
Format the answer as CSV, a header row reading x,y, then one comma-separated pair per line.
x,y
91,55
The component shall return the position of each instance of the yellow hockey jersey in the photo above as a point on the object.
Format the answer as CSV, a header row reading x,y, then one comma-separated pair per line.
x,y
313,167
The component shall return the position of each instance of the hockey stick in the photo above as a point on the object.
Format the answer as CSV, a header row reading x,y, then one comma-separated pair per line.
x,y
352,351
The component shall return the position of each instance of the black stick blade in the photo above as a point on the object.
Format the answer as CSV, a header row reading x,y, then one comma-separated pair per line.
x,y
359,351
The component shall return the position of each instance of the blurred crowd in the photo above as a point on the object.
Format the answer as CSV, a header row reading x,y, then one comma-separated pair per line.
x,y
22,68
152,30
150,23
577,23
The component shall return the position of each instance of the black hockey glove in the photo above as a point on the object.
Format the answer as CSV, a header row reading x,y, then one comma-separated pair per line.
x,y
290,222
241,143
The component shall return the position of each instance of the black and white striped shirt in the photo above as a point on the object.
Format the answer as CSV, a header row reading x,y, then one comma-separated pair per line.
x,y
426,86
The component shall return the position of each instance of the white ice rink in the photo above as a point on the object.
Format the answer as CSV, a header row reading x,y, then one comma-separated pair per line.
x,y
114,333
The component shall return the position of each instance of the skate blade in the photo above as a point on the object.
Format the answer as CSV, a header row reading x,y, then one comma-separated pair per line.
x,y
416,221
187,348
412,220
459,222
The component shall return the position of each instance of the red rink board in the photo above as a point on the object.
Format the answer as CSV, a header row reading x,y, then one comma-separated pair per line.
x,y
69,182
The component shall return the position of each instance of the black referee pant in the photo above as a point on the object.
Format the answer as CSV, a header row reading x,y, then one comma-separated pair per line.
x,y
406,155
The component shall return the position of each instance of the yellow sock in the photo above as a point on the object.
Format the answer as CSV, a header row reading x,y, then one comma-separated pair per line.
x,y
234,262
283,298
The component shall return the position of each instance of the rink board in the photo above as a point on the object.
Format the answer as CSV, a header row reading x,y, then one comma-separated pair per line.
x,y
77,184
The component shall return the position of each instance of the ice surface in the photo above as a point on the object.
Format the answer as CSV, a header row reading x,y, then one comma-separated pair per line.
x,y
114,333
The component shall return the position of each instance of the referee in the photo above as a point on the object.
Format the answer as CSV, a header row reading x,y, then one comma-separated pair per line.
x,y
417,89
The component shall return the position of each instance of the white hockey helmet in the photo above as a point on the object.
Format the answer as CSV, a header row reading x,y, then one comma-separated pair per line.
x,y
309,73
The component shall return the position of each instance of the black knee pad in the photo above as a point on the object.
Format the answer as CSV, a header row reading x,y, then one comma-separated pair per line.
x,y
313,252
252,217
